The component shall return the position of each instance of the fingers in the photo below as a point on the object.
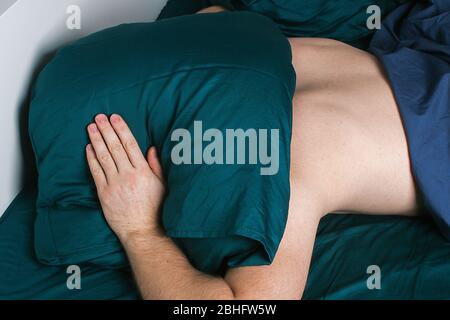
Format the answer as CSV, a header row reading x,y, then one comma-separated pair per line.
x,y
101,151
153,162
128,141
113,143
95,167
114,148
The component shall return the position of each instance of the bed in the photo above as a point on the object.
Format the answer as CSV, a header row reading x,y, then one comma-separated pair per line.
x,y
411,255
355,256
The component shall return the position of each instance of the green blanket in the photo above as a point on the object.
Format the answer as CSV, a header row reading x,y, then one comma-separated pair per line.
x,y
410,252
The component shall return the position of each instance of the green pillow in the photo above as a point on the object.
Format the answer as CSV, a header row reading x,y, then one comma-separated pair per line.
x,y
223,71
344,20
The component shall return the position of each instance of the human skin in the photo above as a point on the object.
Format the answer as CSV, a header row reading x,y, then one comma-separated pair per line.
x,y
348,154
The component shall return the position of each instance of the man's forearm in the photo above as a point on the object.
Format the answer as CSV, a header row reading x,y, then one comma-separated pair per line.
x,y
162,271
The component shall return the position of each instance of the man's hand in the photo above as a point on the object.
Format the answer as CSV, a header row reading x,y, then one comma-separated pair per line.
x,y
130,187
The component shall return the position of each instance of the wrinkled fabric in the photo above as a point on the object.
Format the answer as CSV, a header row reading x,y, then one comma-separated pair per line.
x,y
414,47
410,252
229,71
409,255
344,20
22,276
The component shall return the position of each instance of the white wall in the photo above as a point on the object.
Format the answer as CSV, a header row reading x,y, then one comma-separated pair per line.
x,y
29,31
5,4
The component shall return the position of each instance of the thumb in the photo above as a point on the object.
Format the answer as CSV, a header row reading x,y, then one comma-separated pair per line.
x,y
154,164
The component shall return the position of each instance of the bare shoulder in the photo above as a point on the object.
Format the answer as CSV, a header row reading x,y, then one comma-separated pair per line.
x,y
286,277
323,47
318,60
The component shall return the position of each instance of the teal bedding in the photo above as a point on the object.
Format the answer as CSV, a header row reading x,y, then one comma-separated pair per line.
x,y
343,20
230,71
22,276
412,255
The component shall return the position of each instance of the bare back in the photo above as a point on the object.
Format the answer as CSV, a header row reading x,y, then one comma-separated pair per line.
x,y
348,153
353,127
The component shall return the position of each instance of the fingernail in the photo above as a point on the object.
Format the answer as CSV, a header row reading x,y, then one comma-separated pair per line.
x,y
101,118
115,118
93,128
89,147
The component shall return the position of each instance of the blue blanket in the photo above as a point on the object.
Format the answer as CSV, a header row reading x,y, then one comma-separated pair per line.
x,y
414,47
